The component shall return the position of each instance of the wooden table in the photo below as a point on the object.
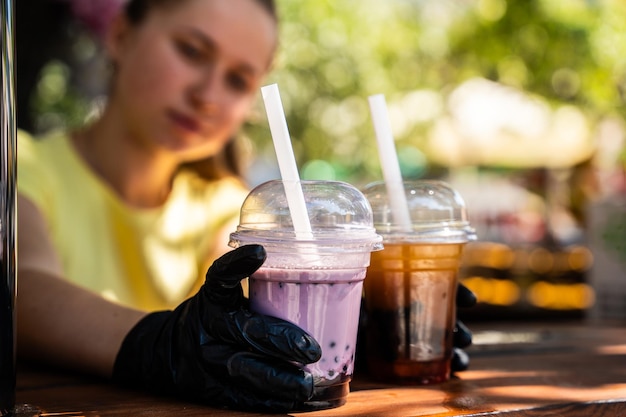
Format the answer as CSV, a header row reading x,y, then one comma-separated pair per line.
x,y
517,370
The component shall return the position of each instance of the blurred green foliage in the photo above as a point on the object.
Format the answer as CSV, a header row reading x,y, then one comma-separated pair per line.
x,y
56,102
333,54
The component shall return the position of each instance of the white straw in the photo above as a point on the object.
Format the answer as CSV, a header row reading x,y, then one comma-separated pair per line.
x,y
286,161
389,162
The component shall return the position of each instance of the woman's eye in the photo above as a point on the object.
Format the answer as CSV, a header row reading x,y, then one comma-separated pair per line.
x,y
190,51
238,82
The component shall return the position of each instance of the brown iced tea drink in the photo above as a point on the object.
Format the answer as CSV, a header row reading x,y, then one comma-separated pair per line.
x,y
410,286
410,292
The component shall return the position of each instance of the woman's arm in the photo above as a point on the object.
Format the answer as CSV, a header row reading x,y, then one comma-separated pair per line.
x,y
210,347
58,322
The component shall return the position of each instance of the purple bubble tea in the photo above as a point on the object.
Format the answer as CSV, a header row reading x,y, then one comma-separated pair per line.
x,y
325,303
315,282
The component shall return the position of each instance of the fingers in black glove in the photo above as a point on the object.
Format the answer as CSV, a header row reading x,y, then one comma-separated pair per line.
x,y
460,360
465,298
258,372
268,335
213,349
462,336
227,272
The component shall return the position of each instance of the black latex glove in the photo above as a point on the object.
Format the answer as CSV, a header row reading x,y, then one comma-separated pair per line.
x,y
462,335
212,349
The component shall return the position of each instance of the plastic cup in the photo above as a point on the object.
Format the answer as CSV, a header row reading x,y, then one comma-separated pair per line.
x,y
315,283
410,289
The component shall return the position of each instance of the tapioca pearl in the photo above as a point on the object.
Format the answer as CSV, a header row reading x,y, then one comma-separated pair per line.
x,y
345,368
331,372
347,348
332,345
281,285
337,359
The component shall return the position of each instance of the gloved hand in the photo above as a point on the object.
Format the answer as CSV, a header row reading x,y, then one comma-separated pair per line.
x,y
462,335
211,348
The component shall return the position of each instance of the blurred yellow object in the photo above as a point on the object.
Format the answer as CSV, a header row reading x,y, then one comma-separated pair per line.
x,y
560,296
489,254
501,292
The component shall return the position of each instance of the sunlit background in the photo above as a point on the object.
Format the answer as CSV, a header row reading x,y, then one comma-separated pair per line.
x,y
518,104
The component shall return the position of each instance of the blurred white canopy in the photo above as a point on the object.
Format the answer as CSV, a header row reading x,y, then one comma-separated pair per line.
x,y
486,123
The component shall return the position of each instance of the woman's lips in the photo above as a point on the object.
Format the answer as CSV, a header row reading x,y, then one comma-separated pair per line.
x,y
185,122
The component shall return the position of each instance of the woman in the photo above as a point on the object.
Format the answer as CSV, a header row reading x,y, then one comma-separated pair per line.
x,y
123,217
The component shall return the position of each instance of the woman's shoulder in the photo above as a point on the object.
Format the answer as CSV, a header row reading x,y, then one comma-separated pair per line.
x,y
37,173
57,135
45,164
30,145
35,153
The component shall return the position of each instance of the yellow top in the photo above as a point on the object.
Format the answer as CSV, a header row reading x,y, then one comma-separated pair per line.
x,y
146,258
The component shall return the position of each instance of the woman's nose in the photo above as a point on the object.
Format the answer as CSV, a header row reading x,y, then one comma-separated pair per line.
x,y
205,92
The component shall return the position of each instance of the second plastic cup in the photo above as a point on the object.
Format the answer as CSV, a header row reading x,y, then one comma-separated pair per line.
x,y
315,282
411,284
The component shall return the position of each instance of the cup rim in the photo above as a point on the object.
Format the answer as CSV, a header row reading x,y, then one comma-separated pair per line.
x,y
333,241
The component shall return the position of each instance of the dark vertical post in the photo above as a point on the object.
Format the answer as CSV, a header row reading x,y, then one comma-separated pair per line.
x,y
8,275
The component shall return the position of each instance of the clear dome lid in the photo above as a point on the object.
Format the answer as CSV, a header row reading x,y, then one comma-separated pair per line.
x,y
338,213
437,213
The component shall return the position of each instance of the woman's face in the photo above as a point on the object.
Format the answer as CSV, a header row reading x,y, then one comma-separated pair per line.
x,y
187,75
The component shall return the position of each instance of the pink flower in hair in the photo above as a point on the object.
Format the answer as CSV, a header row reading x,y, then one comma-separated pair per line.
x,y
96,15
